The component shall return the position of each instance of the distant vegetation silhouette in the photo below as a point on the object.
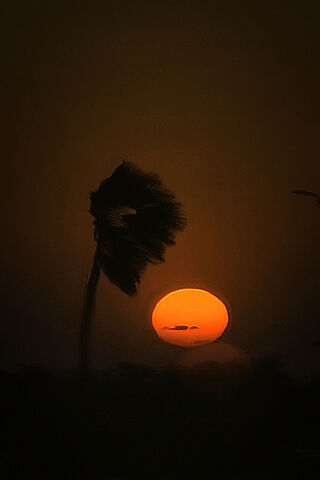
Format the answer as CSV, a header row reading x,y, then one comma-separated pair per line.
x,y
136,218
209,421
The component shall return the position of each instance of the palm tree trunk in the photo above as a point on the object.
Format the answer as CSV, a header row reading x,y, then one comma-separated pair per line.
x,y
87,316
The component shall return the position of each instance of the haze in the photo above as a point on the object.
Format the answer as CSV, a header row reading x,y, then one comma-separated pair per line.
x,y
222,102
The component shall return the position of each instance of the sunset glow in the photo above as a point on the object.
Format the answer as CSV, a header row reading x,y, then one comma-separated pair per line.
x,y
190,317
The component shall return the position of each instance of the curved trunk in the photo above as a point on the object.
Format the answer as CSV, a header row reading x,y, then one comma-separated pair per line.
x,y
88,308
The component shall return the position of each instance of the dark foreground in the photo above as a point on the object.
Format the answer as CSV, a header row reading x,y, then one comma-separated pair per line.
x,y
208,422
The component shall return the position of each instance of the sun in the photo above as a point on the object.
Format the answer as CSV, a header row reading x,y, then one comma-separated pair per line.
x,y
190,317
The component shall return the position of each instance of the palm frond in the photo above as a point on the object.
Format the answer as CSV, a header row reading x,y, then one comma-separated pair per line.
x,y
136,218
316,196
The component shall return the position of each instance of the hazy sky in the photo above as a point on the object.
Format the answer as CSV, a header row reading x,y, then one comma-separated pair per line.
x,y
221,99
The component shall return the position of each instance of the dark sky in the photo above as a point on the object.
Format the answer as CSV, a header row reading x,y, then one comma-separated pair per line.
x,y
221,99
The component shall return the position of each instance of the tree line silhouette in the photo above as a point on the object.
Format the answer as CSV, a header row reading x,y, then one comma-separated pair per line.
x,y
134,421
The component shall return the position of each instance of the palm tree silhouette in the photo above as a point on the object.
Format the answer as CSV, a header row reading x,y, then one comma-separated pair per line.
x,y
136,218
316,196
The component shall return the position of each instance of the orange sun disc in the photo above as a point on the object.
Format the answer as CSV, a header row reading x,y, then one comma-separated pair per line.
x,y
190,317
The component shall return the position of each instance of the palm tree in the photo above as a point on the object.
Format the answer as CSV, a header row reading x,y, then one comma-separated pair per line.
x,y
136,218
316,196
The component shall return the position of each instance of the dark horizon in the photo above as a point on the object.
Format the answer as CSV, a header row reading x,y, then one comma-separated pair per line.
x,y
211,421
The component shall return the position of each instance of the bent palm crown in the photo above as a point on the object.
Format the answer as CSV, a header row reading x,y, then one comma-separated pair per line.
x,y
136,218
